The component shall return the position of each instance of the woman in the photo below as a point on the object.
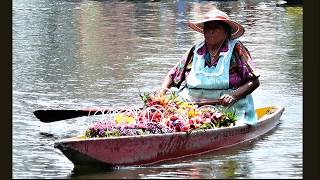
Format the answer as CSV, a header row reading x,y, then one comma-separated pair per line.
x,y
217,68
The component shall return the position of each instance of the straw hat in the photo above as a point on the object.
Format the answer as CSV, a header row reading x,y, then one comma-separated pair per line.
x,y
216,15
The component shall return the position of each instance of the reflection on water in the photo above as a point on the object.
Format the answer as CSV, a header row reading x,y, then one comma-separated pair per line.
x,y
79,54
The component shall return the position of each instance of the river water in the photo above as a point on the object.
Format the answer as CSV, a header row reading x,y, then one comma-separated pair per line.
x,y
79,54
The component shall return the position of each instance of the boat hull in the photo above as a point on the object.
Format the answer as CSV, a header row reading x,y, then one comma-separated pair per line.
x,y
148,149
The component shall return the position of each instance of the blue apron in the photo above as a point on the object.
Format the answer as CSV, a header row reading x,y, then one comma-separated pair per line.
x,y
212,82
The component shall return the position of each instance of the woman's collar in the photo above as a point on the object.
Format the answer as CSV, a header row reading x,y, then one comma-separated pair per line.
x,y
203,49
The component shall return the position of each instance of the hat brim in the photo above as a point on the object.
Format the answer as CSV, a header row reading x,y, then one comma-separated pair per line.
x,y
236,29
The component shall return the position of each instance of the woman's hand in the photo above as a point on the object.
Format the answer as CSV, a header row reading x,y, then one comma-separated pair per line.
x,y
163,91
241,92
227,100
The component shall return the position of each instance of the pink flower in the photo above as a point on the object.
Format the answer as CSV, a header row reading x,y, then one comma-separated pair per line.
x,y
207,120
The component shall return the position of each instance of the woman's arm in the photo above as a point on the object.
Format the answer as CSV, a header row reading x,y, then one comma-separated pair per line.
x,y
247,74
241,92
177,74
229,99
166,84
246,88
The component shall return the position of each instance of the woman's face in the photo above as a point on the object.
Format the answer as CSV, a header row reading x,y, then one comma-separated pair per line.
x,y
214,32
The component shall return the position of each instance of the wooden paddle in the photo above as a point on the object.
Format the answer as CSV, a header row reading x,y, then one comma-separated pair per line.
x,y
48,116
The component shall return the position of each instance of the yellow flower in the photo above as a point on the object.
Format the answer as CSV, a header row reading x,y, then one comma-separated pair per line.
x,y
122,118
185,105
192,113
130,120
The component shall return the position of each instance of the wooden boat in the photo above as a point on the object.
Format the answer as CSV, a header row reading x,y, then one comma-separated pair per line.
x,y
149,149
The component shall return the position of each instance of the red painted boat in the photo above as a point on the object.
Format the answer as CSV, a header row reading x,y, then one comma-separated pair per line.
x,y
149,149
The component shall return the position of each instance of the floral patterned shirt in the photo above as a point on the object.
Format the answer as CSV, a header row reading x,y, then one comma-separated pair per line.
x,y
241,66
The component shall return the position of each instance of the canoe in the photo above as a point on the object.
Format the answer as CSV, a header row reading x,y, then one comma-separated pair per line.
x,y
149,149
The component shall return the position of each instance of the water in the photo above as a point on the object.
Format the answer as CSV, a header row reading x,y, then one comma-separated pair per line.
x,y
80,54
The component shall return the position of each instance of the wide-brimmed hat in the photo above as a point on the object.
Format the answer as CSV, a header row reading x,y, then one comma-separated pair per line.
x,y
216,15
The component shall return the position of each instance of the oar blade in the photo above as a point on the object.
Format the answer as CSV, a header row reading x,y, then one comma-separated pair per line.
x,y
48,116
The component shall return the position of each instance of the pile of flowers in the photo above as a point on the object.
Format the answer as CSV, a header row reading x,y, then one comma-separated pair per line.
x,y
162,113
103,129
